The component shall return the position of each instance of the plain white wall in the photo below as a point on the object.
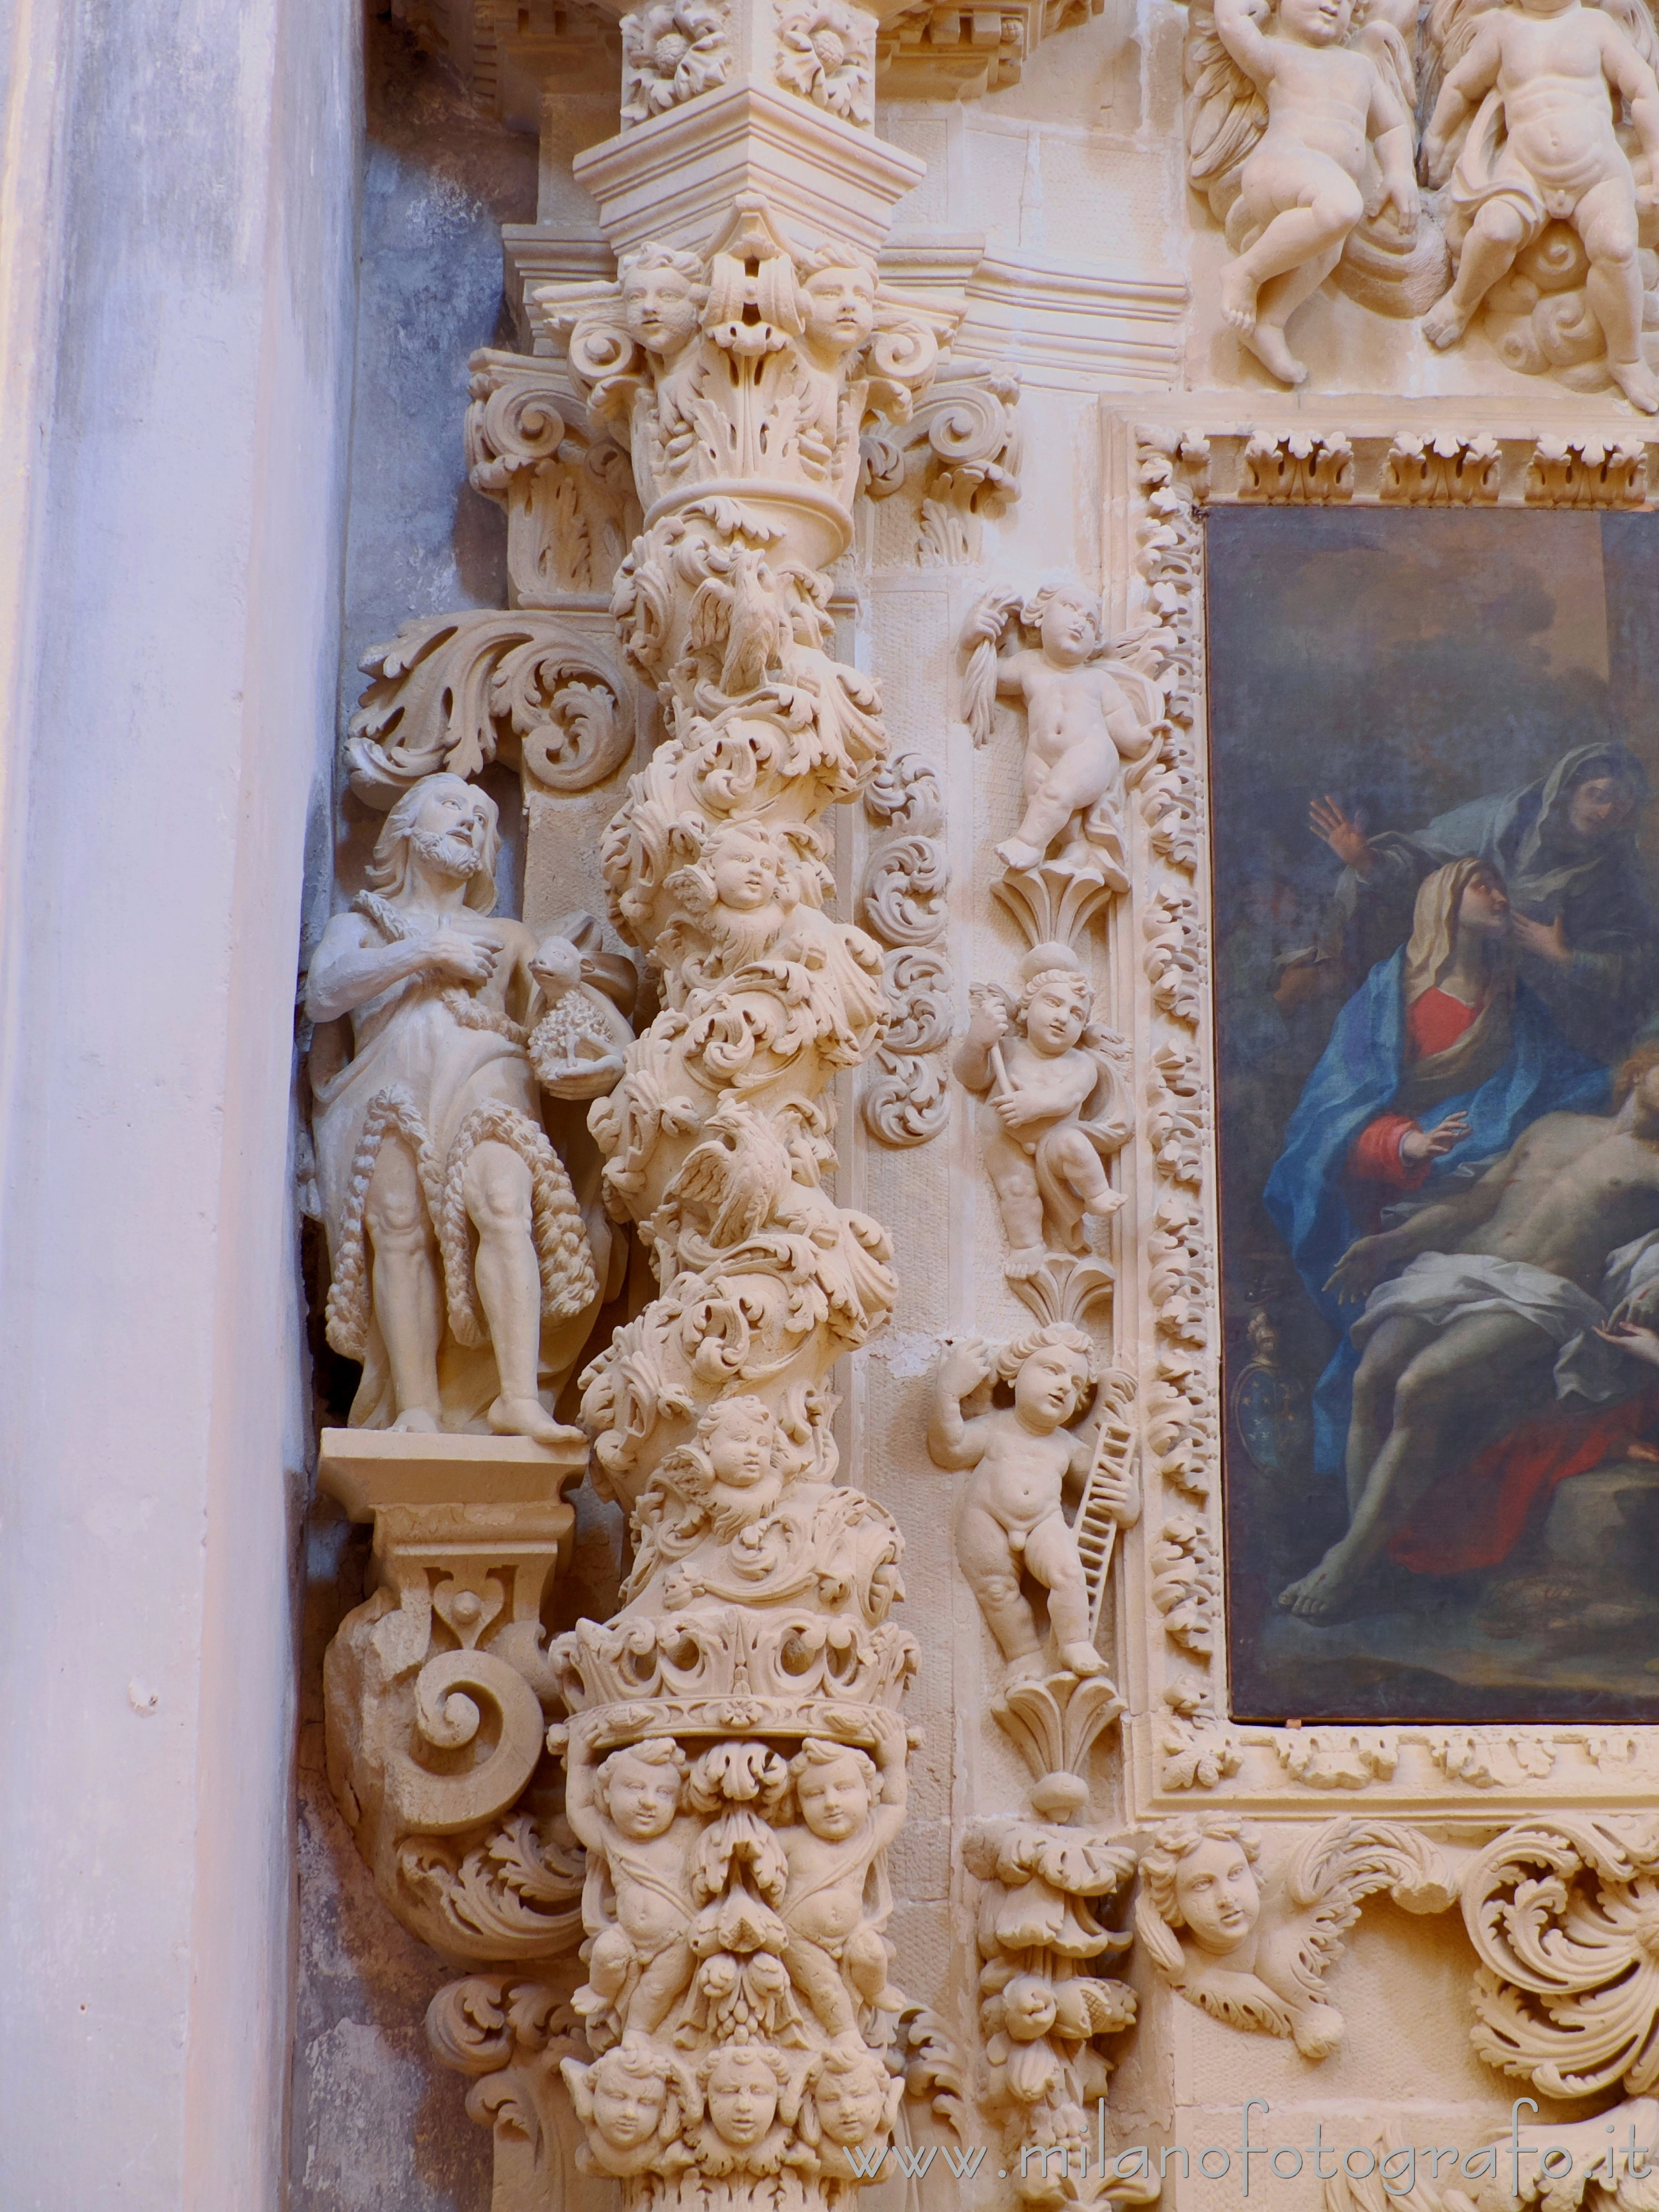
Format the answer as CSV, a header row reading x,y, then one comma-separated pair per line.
x,y
176,291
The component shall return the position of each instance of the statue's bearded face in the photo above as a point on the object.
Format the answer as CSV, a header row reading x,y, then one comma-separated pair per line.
x,y
451,830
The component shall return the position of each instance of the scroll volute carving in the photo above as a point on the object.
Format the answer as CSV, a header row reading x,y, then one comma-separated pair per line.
x,y
437,1691
565,484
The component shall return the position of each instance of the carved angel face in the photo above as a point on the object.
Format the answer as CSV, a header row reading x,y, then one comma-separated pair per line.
x,y
743,2097
745,869
1068,629
1216,1894
1049,1385
644,1798
834,1799
739,1445
850,2102
1056,1013
629,2101
840,308
658,308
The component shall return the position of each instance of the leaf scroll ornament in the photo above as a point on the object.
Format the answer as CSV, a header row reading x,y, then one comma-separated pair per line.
x,y
1565,1915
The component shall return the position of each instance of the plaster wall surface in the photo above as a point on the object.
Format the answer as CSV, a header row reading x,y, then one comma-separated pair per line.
x,y
186,181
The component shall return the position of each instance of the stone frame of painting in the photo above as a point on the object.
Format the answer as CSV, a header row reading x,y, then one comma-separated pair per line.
x,y
1166,466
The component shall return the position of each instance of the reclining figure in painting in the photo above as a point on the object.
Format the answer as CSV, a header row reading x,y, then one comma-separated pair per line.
x,y
1482,1301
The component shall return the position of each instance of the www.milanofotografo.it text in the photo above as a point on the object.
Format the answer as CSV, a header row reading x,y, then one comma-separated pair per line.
x,y
1516,2157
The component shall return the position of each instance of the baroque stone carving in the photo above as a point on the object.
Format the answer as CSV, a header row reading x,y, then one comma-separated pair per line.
x,y
735,1761
1560,1912
1551,254
1092,716
1012,1524
905,1099
826,52
1043,2007
566,489
673,49
960,456
454,692
1055,1106
1326,112
437,1688
464,1274
1199,1915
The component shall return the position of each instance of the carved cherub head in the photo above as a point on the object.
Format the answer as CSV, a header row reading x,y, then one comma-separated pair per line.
x,y
743,2084
639,1789
1052,1370
836,1785
838,300
852,2094
635,2100
1200,1875
1067,621
663,293
734,1467
451,825
1055,1000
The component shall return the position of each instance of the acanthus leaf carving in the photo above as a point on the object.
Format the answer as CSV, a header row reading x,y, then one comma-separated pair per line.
x,y
1561,1913
453,692
959,455
566,487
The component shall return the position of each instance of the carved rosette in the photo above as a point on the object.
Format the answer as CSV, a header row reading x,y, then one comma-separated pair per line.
x,y
735,1759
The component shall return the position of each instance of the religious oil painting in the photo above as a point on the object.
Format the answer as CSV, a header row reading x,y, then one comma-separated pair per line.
x,y
1434,755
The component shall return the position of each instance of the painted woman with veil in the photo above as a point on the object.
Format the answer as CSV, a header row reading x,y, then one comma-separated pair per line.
x,y
1434,1067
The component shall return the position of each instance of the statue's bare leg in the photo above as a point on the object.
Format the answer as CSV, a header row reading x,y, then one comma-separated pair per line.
x,y
1051,1558
1013,1178
659,1986
405,1282
991,1570
495,1185
1312,231
1472,1381
1606,218
1489,250
1389,1353
1276,302
1070,786
817,1975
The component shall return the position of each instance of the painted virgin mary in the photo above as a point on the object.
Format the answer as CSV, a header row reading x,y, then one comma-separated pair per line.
x,y
1434,1067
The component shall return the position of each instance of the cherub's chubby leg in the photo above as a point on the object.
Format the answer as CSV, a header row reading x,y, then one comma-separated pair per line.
x,y
495,1185
1500,229
1013,1178
1051,1558
404,1282
663,1981
1083,774
1606,221
991,1570
818,1978
1308,205
1084,1172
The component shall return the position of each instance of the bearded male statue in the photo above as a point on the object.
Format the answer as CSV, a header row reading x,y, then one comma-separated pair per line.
x,y
463,1275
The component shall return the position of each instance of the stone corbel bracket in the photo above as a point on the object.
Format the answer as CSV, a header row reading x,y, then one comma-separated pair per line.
x,y
437,1689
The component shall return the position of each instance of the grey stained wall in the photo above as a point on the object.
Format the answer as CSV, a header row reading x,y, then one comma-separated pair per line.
x,y
376,2122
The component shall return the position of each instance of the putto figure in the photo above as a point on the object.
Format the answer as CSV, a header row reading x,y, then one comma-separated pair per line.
x,y
1200,1916
1545,79
1301,192
1088,714
1024,1457
462,1273
630,1815
1056,1107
